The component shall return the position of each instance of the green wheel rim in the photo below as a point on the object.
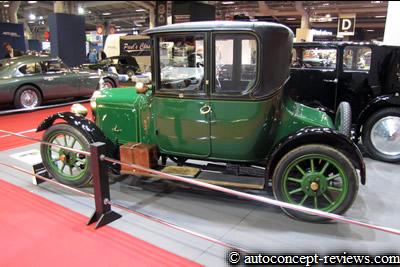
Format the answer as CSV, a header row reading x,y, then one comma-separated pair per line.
x,y
315,181
69,165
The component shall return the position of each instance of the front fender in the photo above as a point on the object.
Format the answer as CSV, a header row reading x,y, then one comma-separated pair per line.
x,y
374,105
87,127
317,135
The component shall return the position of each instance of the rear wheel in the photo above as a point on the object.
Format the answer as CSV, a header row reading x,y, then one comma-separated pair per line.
x,y
381,135
27,97
318,177
107,83
70,168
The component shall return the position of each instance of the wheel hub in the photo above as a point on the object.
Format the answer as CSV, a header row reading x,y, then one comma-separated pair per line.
x,y
314,184
385,135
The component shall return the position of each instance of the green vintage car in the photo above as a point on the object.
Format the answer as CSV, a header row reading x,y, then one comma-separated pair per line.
x,y
29,80
218,94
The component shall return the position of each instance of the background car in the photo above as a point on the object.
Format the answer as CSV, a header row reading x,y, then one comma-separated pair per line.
x,y
122,64
365,75
27,81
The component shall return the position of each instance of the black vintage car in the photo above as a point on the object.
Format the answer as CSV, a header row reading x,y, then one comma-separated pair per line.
x,y
123,65
363,74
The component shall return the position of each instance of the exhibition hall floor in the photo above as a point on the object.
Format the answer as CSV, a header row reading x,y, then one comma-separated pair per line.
x,y
242,223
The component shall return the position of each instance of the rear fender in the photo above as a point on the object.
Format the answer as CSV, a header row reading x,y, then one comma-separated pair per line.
x,y
316,135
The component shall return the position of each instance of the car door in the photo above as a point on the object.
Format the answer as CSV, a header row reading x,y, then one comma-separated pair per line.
x,y
58,80
314,78
237,121
353,85
181,103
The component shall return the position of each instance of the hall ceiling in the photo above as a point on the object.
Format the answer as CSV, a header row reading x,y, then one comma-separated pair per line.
x,y
131,14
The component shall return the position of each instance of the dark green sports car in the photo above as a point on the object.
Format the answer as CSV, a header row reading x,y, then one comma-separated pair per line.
x,y
27,81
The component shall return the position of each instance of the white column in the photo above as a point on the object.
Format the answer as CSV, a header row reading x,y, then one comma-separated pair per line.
x,y
392,26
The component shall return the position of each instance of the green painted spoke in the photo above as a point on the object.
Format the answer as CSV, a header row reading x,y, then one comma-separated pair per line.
x,y
58,143
294,180
303,200
300,170
315,202
70,169
325,167
334,189
295,191
65,140
327,198
312,165
73,143
63,167
332,177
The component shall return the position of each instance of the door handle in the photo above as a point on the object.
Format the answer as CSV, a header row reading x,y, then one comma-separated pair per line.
x,y
331,81
205,109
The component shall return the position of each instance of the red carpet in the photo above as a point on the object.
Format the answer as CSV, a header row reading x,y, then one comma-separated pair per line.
x,y
20,122
37,232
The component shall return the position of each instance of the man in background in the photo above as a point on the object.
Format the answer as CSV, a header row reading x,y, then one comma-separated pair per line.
x,y
10,51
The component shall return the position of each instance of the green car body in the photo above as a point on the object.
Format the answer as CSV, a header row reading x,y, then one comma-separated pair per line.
x,y
194,110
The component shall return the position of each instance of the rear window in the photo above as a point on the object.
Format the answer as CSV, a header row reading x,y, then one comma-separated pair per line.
x,y
314,58
356,58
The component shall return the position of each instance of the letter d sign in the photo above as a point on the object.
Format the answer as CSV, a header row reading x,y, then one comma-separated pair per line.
x,y
346,24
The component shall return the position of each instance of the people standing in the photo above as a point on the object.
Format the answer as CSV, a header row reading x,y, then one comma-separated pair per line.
x,y
10,51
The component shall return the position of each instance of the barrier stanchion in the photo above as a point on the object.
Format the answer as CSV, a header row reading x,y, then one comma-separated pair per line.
x,y
98,167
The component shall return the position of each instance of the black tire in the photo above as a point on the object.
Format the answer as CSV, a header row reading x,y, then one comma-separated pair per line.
x,y
19,102
372,150
343,118
46,154
108,81
316,150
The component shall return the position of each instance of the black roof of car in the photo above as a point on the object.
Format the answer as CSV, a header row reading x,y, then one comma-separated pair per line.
x,y
216,25
338,43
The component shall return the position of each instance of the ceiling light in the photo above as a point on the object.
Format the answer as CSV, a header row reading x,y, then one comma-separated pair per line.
x,y
380,16
370,30
41,17
325,4
6,5
328,15
139,25
117,26
228,2
81,10
106,13
32,16
32,2
290,18
140,10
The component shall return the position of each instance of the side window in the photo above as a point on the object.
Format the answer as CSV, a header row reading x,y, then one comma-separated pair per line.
x,y
54,66
30,69
235,63
356,58
318,58
181,63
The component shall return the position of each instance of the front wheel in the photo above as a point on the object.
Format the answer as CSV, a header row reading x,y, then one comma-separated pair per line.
x,y
70,168
381,135
318,177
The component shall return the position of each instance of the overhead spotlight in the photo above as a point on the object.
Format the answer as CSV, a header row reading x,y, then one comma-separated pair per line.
x,y
32,16
140,10
380,16
81,10
106,14
370,30
328,15
6,5
228,2
32,2
290,18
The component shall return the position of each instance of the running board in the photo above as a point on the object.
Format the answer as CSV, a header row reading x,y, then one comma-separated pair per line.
x,y
233,181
